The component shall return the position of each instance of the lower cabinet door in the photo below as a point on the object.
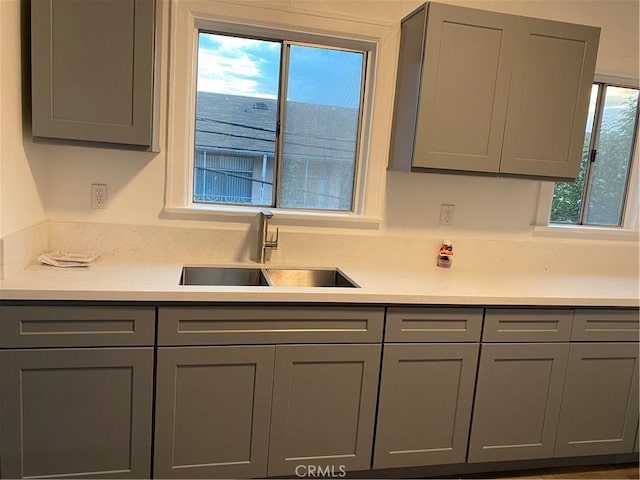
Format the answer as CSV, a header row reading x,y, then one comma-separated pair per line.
x,y
212,411
324,404
600,403
426,396
82,413
517,404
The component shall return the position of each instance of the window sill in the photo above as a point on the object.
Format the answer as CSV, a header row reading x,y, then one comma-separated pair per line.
x,y
280,216
586,233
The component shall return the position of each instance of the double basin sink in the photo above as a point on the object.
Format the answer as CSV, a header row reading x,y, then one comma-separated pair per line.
x,y
265,277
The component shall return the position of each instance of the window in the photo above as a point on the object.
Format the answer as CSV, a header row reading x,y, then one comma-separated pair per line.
x,y
257,146
236,144
598,195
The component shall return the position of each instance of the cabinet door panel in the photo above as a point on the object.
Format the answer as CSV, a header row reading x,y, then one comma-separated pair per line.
x,y
212,411
221,325
465,85
324,403
426,395
527,325
84,86
517,401
429,324
76,413
606,324
76,326
549,98
600,404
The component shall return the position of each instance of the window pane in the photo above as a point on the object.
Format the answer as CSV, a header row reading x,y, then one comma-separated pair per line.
x,y
235,124
608,182
321,128
567,197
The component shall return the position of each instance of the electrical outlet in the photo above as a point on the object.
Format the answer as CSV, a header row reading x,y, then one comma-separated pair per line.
x,y
447,213
98,195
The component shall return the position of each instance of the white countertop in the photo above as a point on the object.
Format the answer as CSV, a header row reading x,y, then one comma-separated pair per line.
x,y
121,280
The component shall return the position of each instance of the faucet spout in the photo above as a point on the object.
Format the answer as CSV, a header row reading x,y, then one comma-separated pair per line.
x,y
264,243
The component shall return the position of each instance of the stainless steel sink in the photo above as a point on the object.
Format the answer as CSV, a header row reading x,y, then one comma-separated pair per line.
x,y
233,276
294,277
263,277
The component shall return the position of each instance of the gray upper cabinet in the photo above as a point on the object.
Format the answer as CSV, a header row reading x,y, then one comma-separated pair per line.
x,y
517,403
92,70
480,91
549,95
600,405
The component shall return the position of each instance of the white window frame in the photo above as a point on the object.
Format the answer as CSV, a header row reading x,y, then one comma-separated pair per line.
x,y
187,17
629,230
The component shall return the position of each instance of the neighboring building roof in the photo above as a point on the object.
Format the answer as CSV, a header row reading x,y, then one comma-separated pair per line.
x,y
247,124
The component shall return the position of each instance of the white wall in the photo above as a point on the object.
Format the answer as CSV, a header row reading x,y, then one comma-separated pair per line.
x,y
22,173
44,180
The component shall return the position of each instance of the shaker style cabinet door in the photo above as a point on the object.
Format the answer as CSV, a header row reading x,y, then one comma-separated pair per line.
x,y
324,405
426,394
76,413
465,88
549,98
92,70
517,402
212,411
600,404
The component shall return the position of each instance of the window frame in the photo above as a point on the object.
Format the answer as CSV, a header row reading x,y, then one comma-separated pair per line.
x,y
629,227
379,39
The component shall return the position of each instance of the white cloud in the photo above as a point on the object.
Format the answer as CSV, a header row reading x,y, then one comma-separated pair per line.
x,y
227,66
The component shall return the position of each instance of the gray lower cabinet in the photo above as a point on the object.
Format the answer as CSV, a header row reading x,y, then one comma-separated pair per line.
x,y
229,411
251,391
600,404
323,413
213,411
82,413
517,403
426,396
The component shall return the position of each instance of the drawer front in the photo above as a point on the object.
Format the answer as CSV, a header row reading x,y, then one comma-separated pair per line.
x,y
53,326
604,324
527,325
433,324
265,325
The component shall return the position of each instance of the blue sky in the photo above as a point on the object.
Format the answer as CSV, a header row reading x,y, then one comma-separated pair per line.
x,y
240,66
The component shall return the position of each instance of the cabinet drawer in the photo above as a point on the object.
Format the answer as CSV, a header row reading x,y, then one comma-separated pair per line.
x,y
52,326
527,325
263,325
433,324
606,325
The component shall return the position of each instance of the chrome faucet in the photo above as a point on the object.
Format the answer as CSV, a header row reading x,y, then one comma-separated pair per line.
x,y
263,244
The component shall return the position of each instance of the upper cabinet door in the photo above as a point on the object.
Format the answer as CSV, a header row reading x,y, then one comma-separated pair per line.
x,y
465,87
549,98
92,70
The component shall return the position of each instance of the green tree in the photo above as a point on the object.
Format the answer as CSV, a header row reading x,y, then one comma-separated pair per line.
x,y
608,175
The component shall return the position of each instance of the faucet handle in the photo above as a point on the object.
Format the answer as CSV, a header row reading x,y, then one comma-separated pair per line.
x,y
273,244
